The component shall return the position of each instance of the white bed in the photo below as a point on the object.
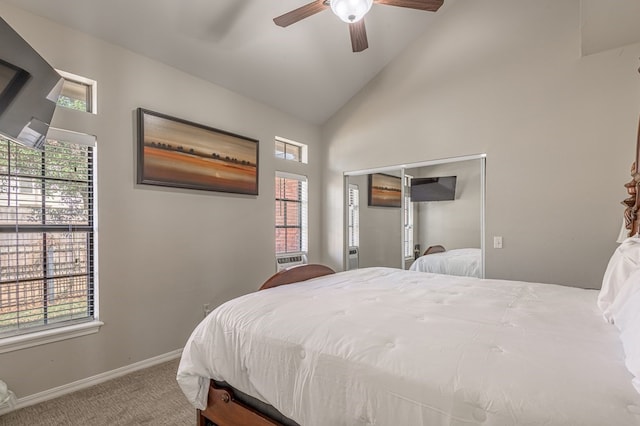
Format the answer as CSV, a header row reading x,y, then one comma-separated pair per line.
x,y
388,347
463,262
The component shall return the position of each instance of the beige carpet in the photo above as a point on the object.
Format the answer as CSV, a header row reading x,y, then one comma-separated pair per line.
x,y
146,397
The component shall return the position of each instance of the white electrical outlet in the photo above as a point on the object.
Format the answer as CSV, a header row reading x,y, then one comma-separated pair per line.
x,y
497,242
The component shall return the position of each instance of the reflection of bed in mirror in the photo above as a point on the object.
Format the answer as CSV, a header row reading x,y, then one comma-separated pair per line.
x,y
462,262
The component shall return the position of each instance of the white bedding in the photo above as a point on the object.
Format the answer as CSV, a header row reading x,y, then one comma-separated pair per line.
x,y
463,262
389,347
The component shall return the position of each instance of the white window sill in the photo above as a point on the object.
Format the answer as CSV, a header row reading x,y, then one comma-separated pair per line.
x,y
15,343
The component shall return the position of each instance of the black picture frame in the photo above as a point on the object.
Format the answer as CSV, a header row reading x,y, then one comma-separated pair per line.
x,y
179,153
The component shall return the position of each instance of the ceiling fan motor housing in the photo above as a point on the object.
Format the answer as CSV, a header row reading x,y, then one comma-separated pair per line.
x,y
351,10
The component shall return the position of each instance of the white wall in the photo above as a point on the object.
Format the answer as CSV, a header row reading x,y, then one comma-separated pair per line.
x,y
505,78
453,224
162,252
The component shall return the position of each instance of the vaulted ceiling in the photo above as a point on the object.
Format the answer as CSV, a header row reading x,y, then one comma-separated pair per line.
x,y
307,69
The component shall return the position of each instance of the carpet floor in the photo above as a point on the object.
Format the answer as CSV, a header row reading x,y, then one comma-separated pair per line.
x,y
147,397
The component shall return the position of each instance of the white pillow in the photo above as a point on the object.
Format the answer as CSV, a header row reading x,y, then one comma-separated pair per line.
x,y
625,295
624,261
625,312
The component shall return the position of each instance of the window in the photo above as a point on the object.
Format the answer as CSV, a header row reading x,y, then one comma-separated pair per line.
x,y
290,150
291,213
354,215
77,93
408,219
46,236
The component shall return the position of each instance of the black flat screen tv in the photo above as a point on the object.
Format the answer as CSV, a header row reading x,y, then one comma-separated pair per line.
x,y
433,188
29,89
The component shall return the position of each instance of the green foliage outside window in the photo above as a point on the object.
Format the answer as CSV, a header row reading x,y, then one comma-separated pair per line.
x,y
77,104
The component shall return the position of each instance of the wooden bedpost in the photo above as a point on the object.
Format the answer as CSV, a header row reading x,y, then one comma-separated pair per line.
x,y
632,203
631,221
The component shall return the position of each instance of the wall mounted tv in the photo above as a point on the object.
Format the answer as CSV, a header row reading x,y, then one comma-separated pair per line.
x,y
433,188
29,89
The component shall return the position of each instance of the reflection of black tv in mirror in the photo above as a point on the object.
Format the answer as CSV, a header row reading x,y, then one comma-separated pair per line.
x,y
29,89
433,188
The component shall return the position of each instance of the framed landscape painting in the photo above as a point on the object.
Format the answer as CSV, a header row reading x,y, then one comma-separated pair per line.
x,y
178,153
385,190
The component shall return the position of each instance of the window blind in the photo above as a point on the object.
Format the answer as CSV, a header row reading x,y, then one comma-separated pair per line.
x,y
291,209
408,227
354,215
408,218
46,236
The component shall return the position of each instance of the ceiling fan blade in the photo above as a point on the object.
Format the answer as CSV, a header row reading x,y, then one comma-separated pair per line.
x,y
358,36
300,13
428,5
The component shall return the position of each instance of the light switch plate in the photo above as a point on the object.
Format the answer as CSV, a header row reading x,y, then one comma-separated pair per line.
x,y
497,242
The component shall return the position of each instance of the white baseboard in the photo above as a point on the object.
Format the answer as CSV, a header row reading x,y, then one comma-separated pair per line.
x,y
90,381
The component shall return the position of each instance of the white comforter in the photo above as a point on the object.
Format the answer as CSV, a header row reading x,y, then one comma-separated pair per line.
x,y
389,347
464,262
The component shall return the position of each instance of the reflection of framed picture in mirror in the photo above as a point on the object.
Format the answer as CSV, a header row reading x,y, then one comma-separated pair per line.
x,y
385,190
12,78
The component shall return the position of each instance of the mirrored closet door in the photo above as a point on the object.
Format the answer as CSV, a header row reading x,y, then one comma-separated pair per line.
x,y
393,215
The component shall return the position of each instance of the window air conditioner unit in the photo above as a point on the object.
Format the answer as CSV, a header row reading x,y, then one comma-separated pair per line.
x,y
288,260
352,259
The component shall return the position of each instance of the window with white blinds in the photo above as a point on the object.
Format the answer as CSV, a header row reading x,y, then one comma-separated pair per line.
x,y
291,213
354,216
46,236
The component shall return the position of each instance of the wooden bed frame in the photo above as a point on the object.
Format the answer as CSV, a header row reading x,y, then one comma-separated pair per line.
x,y
434,249
296,274
223,408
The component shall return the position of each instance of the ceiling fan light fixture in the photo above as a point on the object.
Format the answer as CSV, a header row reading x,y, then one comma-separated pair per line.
x,y
351,11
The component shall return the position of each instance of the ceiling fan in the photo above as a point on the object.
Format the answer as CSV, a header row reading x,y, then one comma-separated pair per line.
x,y
352,12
